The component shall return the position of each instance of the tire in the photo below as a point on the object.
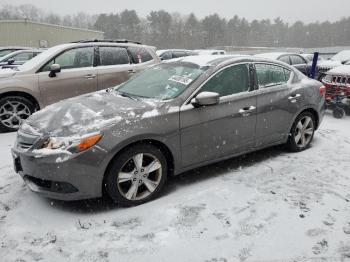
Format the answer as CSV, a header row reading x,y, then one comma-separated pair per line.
x,y
338,112
302,132
346,109
127,181
10,120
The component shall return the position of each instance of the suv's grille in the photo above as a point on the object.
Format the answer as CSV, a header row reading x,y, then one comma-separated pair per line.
x,y
340,80
26,141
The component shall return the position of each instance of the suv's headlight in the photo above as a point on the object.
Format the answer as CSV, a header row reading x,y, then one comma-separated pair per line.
x,y
73,145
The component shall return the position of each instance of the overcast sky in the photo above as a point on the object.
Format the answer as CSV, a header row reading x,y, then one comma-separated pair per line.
x,y
288,10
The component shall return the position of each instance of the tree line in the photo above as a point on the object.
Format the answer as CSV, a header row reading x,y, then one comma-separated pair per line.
x,y
174,30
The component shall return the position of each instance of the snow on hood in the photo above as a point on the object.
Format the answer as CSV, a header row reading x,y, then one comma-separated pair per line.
x,y
8,72
88,113
340,70
328,64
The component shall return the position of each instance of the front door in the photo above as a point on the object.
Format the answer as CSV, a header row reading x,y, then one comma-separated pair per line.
x,y
212,132
77,76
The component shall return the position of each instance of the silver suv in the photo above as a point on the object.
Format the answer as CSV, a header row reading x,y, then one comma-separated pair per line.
x,y
65,71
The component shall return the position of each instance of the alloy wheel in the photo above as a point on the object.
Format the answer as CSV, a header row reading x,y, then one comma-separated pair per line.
x,y
304,132
13,113
139,177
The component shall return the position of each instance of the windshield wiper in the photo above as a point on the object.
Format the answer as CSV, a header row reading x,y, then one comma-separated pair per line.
x,y
127,95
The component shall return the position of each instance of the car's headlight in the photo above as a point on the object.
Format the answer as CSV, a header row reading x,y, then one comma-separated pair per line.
x,y
74,145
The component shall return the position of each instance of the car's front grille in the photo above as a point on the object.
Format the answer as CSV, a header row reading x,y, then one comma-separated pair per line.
x,y
26,141
340,80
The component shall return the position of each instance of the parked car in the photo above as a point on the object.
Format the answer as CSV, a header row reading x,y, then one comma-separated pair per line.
x,y
174,53
338,59
296,60
18,58
68,70
337,83
5,50
173,117
210,52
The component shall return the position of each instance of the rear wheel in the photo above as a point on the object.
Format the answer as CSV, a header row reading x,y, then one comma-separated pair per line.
x,y
137,175
302,132
13,111
338,112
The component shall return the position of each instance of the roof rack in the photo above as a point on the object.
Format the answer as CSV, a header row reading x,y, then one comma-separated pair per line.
x,y
107,41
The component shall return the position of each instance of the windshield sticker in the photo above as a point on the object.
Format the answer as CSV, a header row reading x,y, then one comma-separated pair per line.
x,y
181,79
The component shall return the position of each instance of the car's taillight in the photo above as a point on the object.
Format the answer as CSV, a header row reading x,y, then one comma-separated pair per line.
x,y
323,90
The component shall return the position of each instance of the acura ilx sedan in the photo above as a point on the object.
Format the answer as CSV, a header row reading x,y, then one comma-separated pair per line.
x,y
175,116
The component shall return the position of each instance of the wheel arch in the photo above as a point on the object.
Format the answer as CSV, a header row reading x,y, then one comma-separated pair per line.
x,y
22,94
145,141
310,109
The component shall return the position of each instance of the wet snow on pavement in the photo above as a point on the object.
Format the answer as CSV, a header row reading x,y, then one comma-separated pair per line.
x,y
271,205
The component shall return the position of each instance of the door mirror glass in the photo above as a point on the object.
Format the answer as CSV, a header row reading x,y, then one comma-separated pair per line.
x,y
54,69
205,99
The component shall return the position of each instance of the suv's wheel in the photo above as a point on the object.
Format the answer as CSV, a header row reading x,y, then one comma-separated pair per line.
x,y
13,111
302,132
137,175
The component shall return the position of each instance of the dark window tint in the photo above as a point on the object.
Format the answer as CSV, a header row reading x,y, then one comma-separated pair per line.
x,y
285,59
297,60
270,75
140,55
232,80
177,54
73,58
110,55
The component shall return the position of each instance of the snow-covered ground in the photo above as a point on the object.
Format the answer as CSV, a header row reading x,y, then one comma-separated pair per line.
x,y
267,206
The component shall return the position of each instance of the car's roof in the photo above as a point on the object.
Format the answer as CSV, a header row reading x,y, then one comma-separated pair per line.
x,y
161,51
14,47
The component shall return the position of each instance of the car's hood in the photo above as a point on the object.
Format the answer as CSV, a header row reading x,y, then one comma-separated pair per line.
x,y
7,72
328,64
89,113
340,70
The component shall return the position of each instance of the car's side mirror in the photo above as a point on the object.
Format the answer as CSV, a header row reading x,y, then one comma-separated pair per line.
x,y
54,69
206,99
10,61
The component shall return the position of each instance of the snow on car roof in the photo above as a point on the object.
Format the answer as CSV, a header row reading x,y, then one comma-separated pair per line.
x,y
340,70
204,60
272,55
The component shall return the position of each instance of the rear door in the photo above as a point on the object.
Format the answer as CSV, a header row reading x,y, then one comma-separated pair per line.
x,y
275,103
114,66
78,75
300,63
212,132
141,58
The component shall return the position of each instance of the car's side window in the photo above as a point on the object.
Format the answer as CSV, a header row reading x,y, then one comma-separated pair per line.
x,y
140,55
110,55
166,56
178,54
270,75
297,60
231,80
23,56
285,59
73,58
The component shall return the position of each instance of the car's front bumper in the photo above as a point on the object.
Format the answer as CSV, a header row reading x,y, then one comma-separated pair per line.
x,y
63,177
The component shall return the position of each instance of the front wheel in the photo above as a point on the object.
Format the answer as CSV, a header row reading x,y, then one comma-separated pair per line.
x,y
302,132
13,111
137,175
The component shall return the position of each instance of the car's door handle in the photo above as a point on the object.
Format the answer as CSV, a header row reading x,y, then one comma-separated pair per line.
x,y
294,98
247,110
90,76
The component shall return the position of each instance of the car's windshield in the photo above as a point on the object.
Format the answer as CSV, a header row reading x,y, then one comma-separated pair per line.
x,y
5,52
164,81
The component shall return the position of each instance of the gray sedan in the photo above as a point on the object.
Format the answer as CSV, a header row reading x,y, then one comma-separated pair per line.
x,y
173,117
